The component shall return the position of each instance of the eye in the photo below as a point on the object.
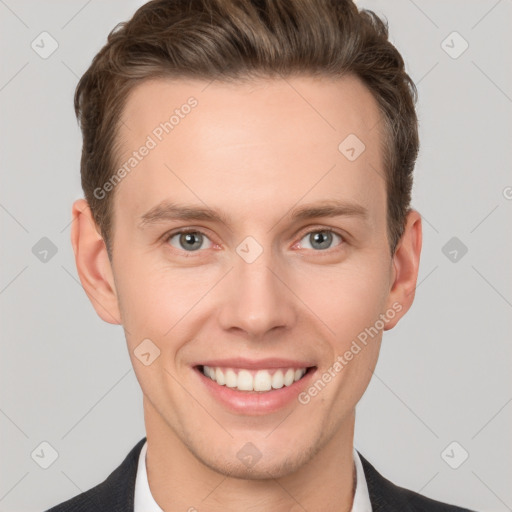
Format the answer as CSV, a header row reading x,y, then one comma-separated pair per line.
x,y
193,240
190,241
320,238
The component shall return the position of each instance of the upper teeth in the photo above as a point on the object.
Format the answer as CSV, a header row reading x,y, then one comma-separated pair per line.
x,y
260,380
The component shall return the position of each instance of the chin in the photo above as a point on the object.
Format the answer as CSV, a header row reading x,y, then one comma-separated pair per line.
x,y
249,463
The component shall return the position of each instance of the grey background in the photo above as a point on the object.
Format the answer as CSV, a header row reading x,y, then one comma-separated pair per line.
x,y
444,371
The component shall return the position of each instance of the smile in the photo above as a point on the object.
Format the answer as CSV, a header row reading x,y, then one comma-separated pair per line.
x,y
263,380
255,387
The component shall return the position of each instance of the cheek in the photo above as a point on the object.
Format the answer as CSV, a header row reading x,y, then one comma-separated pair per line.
x,y
346,299
156,297
351,308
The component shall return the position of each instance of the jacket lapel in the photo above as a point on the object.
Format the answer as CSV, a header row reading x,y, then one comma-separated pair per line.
x,y
384,495
116,493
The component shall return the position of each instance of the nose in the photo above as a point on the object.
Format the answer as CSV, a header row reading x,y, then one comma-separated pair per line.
x,y
257,299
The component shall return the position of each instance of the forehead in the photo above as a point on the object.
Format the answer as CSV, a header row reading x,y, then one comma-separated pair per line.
x,y
247,144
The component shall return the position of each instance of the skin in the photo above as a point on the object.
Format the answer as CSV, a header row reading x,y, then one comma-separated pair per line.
x,y
255,151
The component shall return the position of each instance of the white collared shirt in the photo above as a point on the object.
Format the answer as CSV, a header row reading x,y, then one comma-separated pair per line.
x,y
144,501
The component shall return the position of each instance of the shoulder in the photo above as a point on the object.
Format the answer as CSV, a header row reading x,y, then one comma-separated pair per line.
x,y
386,496
115,493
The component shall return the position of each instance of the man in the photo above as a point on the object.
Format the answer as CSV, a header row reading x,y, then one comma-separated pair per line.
x,y
247,170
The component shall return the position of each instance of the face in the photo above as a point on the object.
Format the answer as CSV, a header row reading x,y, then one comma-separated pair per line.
x,y
250,236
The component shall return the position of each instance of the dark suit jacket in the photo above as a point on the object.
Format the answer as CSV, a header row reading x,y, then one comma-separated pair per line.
x,y
116,493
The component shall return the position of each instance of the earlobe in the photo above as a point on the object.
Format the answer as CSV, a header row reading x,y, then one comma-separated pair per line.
x,y
406,261
93,264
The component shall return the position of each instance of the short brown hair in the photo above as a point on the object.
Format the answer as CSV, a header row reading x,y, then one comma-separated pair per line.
x,y
239,39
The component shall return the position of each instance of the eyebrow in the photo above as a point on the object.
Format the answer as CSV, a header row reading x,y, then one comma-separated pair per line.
x,y
168,210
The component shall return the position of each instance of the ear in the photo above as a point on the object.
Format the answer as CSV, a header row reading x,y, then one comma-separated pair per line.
x,y
93,264
406,262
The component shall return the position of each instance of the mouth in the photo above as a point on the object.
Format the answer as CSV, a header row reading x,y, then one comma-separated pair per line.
x,y
254,391
246,380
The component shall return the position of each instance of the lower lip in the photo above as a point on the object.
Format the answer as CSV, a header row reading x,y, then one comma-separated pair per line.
x,y
256,402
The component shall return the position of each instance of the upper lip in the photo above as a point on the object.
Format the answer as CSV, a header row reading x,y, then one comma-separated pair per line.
x,y
253,364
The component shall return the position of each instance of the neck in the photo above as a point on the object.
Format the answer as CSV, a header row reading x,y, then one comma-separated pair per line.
x,y
179,480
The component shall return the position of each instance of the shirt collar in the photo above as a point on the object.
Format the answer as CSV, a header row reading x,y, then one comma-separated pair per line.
x,y
144,501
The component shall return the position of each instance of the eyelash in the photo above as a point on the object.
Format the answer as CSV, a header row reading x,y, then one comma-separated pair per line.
x,y
189,254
